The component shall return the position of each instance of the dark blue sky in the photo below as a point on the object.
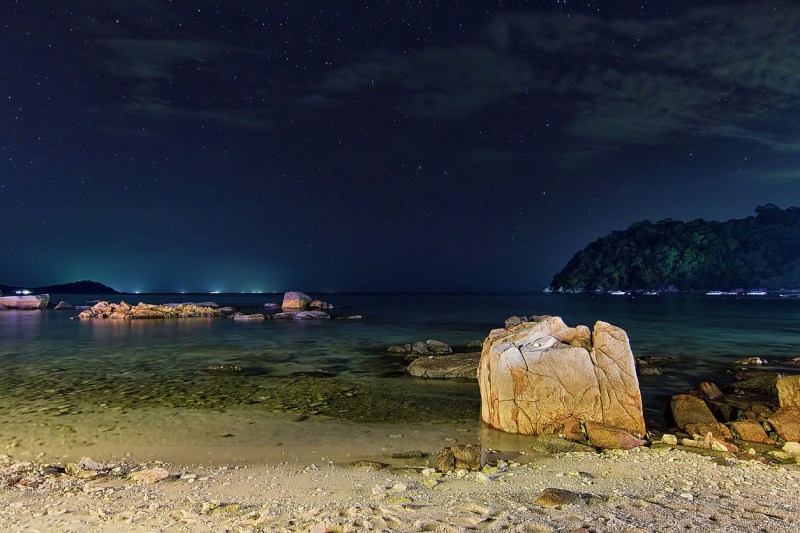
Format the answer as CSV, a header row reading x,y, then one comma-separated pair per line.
x,y
237,146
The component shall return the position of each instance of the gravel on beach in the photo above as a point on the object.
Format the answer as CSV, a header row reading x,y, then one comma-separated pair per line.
x,y
644,489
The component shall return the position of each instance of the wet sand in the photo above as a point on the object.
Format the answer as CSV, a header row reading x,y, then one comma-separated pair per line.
x,y
236,471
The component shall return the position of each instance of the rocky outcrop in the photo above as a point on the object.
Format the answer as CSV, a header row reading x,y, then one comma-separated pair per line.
x,y
537,376
125,311
301,315
295,300
319,304
251,317
459,366
420,348
30,301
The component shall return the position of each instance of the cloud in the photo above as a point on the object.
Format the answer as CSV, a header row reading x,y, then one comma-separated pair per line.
x,y
444,83
724,72
159,81
157,59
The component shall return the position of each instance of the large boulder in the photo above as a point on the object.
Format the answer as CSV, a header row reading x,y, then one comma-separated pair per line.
x,y
295,300
537,376
30,301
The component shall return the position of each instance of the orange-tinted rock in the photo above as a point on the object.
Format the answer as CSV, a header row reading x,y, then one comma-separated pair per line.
x,y
786,422
611,438
572,430
789,391
295,300
461,457
751,431
537,377
692,415
707,391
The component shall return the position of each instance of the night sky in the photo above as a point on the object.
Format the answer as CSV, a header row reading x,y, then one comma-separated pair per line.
x,y
158,145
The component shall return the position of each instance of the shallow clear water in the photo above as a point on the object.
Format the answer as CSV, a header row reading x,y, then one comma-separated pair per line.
x,y
340,368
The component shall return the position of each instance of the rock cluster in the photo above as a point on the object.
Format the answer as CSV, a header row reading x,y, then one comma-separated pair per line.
x,y
761,409
545,377
30,301
421,348
301,315
125,311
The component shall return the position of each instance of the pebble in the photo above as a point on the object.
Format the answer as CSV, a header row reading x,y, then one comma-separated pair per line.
x,y
552,497
670,440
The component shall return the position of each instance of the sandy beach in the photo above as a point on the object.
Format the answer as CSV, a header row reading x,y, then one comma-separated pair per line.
x,y
645,489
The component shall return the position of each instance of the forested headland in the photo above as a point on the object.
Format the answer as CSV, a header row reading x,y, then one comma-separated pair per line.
x,y
760,251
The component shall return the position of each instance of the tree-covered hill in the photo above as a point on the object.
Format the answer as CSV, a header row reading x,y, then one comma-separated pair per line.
x,y
74,287
761,251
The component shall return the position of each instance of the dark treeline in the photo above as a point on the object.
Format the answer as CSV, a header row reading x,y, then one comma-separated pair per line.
x,y
73,287
761,251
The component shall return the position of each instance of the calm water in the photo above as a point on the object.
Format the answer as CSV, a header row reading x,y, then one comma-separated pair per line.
x,y
47,357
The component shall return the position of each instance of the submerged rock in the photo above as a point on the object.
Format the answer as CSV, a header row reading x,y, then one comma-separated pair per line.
x,y
301,315
462,365
420,348
245,317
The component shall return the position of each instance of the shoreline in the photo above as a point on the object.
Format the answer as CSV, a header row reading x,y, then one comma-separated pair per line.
x,y
644,489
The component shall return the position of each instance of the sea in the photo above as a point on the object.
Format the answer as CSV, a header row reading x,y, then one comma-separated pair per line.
x,y
339,370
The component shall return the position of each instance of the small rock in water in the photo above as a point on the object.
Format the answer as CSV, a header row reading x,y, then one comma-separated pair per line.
x,y
224,368
751,361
